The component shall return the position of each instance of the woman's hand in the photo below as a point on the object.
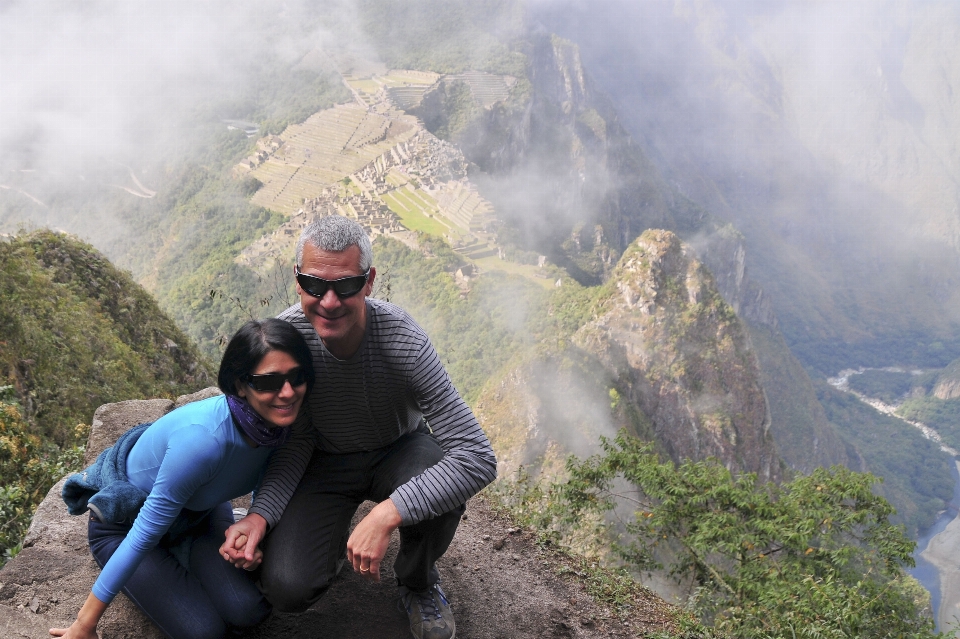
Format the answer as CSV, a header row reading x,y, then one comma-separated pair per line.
x,y
241,561
76,631
85,627
242,540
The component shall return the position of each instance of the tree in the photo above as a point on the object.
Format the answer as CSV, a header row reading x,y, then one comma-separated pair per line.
x,y
813,557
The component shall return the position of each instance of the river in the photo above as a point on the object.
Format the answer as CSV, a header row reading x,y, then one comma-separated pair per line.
x,y
938,548
937,566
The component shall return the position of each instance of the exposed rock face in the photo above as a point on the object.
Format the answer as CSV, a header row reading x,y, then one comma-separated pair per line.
x,y
665,357
725,254
948,384
679,353
500,583
804,436
947,389
561,170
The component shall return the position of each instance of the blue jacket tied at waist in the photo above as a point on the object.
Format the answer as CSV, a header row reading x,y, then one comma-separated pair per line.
x,y
103,488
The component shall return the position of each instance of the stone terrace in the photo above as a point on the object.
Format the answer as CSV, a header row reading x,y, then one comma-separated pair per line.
x,y
369,161
326,147
487,89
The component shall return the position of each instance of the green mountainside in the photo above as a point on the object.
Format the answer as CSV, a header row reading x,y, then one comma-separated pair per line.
x,y
75,333
553,158
569,182
916,473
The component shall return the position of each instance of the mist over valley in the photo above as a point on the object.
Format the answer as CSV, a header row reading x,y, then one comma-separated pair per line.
x,y
675,220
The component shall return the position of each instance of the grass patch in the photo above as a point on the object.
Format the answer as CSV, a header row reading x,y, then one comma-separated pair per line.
x,y
422,199
493,264
414,219
396,180
364,86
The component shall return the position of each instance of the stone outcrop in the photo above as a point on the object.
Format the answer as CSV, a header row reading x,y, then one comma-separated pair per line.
x,y
47,583
948,383
500,582
664,357
680,354
724,252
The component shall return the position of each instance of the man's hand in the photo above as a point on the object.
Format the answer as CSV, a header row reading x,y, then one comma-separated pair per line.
x,y
242,541
368,543
240,546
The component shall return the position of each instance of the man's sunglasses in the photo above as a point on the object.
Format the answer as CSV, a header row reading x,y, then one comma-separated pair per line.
x,y
273,382
344,287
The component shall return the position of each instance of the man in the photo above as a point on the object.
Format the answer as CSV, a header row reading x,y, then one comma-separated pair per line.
x,y
383,423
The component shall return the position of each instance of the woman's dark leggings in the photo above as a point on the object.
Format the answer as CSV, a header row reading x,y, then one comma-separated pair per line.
x,y
202,602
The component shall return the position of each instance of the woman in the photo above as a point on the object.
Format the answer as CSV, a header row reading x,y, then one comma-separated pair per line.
x,y
185,467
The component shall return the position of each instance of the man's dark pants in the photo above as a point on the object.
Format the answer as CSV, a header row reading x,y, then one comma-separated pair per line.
x,y
301,552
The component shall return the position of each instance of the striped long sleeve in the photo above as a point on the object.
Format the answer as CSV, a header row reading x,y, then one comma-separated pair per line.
x,y
285,469
370,401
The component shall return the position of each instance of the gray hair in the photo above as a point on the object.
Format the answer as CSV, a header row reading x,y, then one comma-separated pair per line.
x,y
336,234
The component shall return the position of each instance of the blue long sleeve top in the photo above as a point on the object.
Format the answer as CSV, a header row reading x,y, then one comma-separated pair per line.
x,y
193,457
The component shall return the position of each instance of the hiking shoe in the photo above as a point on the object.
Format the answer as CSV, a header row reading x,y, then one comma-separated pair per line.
x,y
429,613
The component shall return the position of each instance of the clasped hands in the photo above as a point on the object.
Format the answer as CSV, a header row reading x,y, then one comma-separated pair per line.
x,y
365,548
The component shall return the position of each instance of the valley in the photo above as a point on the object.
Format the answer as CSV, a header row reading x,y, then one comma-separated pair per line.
x,y
938,546
584,254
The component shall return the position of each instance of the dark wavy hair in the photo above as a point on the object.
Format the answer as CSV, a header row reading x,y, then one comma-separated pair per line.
x,y
255,339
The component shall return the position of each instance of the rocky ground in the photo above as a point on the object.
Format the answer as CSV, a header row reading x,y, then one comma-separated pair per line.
x,y
500,583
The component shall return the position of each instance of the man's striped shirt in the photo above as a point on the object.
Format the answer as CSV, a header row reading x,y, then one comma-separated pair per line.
x,y
369,401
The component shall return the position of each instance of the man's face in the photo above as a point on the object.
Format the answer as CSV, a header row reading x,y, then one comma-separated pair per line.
x,y
340,323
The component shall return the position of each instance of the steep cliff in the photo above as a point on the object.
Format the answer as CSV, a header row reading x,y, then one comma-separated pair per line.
x,y
948,382
664,357
595,189
680,354
563,174
833,152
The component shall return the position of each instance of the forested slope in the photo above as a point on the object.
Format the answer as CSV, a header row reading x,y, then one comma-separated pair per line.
x,y
75,332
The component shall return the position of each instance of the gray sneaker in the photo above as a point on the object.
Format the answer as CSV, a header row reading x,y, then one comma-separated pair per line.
x,y
429,613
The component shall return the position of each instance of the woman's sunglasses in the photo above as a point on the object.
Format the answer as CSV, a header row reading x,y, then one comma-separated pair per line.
x,y
273,382
344,287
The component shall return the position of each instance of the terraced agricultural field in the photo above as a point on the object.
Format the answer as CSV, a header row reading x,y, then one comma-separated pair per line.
x,y
487,89
406,76
365,85
324,149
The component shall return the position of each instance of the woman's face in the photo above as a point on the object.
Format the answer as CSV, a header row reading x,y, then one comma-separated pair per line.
x,y
277,408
